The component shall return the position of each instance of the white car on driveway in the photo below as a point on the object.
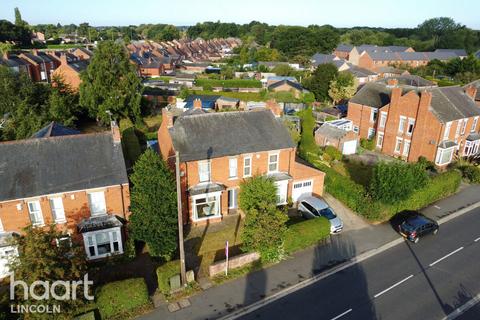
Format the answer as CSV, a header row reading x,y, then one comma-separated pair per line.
x,y
313,207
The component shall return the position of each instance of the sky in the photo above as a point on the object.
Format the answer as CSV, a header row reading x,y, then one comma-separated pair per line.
x,y
345,13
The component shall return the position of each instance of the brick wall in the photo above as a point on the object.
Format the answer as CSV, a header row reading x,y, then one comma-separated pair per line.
x,y
234,262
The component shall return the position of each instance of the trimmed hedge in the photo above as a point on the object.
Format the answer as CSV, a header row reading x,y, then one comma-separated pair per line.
x,y
122,298
164,273
208,84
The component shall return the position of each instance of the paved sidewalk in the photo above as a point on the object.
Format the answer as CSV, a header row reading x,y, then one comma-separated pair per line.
x,y
221,300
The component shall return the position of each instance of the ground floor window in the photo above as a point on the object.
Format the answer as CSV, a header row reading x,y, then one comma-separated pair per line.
x,y
206,206
471,148
102,243
282,187
444,156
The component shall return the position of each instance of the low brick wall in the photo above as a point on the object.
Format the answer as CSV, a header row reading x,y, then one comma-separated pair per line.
x,y
234,262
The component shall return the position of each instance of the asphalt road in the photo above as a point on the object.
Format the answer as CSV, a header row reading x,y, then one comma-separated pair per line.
x,y
427,280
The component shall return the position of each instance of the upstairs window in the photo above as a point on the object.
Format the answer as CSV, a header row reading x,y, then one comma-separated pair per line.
x,y
96,200
232,168
373,115
474,124
56,204
273,162
204,171
247,166
411,125
401,125
35,212
383,119
446,133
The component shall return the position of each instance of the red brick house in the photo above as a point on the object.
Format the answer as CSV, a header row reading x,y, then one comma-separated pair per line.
x,y
411,121
218,151
69,70
41,65
84,193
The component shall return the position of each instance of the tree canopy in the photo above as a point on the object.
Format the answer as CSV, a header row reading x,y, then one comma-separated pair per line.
x,y
154,205
319,81
110,83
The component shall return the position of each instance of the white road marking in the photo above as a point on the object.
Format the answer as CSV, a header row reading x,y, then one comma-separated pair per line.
x,y
478,239
393,286
437,207
342,314
444,257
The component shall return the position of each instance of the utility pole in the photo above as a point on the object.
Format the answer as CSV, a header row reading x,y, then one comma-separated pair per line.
x,y
183,275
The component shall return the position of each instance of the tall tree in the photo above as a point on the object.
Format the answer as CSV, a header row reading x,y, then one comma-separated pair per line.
x,y
63,103
110,83
45,256
342,87
437,28
18,18
319,81
154,205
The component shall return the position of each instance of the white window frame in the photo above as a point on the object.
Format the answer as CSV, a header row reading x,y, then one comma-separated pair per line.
x,y
410,124
398,145
440,152
356,129
276,163
204,171
39,222
406,147
216,195
371,133
249,174
103,203
459,126
373,114
401,124
383,119
282,192
446,132
58,213
112,233
1,226
380,136
232,195
464,127
232,168
474,124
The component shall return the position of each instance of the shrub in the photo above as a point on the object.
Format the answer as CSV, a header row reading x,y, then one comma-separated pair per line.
x,y
333,153
395,181
257,193
131,144
121,298
472,173
165,272
368,144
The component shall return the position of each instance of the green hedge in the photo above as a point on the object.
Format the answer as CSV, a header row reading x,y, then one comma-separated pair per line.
x,y
164,273
305,233
208,84
471,173
122,298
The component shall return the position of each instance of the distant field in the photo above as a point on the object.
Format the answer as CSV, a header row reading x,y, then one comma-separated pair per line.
x,y
63,46
233,83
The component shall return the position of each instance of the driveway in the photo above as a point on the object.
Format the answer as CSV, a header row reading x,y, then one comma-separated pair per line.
x,y
351,221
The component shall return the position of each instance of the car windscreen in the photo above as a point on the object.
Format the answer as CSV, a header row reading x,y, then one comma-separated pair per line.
x,y
328,213
408,226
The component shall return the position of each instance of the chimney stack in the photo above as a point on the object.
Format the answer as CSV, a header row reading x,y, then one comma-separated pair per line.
x,y
471,91
425,101
63,58
35,52
392,82
197,104
115,132
274,107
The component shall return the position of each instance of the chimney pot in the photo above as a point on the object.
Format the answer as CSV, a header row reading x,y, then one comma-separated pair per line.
x,y
167,118
197,104
392,82
471,91
115,132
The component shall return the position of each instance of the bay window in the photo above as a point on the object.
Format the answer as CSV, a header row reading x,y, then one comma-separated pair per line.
x,y
444,156
102,243
206,206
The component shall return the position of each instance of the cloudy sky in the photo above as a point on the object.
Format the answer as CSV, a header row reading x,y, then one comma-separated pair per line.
x,y
346,13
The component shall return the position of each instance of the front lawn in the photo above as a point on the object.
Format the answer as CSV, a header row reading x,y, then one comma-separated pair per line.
x,y
303,233
349,182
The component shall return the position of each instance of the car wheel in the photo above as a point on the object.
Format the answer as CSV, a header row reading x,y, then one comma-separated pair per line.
x,y
416,240
435,231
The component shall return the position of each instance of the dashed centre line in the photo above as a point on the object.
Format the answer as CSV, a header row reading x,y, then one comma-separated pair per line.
x,y
342,314
393,286
444,257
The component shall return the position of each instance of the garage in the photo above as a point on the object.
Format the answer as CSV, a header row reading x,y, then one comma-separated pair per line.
x,y
349,147
301,188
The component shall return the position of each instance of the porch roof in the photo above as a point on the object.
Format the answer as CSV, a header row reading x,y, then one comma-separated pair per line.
x,y
473,136
447,144
205,188
279,176
7,238
99,223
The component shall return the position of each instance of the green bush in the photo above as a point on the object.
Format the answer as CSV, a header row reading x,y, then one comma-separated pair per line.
x,y
472,173
333,153
131,144
304,233
165,272
122,298
368,144
395,181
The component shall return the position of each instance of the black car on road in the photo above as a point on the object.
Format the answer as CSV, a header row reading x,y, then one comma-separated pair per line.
x,y
417,225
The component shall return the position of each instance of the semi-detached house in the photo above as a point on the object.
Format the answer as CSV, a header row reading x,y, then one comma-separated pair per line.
x,y
438,123
77,182
217,151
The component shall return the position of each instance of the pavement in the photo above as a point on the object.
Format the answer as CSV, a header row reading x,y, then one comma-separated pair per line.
x,y
359,238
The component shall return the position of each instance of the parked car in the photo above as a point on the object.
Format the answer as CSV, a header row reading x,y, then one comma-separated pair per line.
x,y
416,226
313,207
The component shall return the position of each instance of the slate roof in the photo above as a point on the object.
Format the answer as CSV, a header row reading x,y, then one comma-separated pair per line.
x,y
459,52
213,135
54,129
36,167
79,65
295,85
360,72
331,132
452,103
321,58
372,94
344,47
410,56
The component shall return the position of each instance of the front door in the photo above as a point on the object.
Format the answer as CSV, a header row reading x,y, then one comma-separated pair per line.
x,y
232,198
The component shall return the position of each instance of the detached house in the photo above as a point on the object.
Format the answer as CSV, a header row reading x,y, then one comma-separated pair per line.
x,y
76,181
410,121
217,151
70,70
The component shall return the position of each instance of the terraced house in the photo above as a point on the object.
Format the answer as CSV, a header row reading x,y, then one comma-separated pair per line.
x,y
217,151
77,182
410,118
